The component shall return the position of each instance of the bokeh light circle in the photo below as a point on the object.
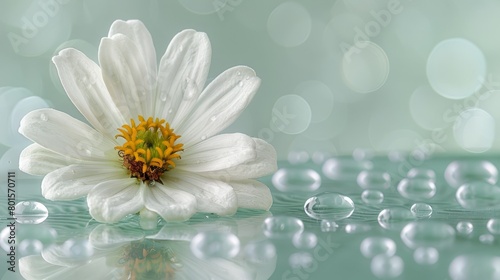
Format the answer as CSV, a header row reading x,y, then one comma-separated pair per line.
x,y
289,24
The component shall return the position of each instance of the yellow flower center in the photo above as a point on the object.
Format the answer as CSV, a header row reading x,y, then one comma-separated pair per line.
x,y
150,148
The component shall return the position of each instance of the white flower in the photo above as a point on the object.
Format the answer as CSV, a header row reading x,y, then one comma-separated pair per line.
x,y
148,167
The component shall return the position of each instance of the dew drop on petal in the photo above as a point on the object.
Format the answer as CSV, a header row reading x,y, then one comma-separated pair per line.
x,y
282,226
44,117
421,210
421,173
417,189
487,238
493,226
328,226
259,251
163,98
373,246
213,118
329,206
458,173
241,84
300,260
369,179
214,244
238,73
30,247
394,218
427,234
475,266
203,137
464,228
296,180
344,168
372,197
426,255
383,266
478,195
305,240
30,212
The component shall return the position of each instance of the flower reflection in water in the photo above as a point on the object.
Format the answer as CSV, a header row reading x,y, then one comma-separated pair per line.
x,y
118,252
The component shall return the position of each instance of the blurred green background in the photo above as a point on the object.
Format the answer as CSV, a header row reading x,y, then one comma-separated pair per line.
x,y
417,77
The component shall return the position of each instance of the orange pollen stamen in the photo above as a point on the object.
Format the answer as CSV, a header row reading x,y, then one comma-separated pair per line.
x,y
149,149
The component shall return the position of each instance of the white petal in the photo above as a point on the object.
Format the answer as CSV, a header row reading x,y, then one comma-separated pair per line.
x,y
34,267
76,180
217,153
265,163
37,160
170,203
252,194
219,104
82,80
137,32
112,200
212,196
126,75
182,75
66,135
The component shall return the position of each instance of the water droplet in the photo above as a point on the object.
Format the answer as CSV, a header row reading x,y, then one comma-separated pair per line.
x,y
238,73
247,77
260,251
478,195
203,137
369,179
458,173
417,189
426,255
328,226
394,218
241,84
77,249
373,246
181,48
475,266
493,226
427,234
296,180
421,210
163,97
360,154
356,228
421,173
30,247
344,169
464,228
213,244
329,206
305,240
282,226
372,197
300,260
170,110
298,157
30,212
213,118
486,238
383,266
44,117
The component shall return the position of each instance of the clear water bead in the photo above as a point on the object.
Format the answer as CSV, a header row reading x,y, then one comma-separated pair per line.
x,y
344,168
296,180
421,173
260,251
427,234
356,228
458,173
478,195
300,260
421,210
372,197
493,226
417,189
329,206
394,218
383,266
373,246
426,255
369,179
30,212
30,247
214,244
305,240
475,266
464,228
282,226
329,226
44,117
486,238
77,249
